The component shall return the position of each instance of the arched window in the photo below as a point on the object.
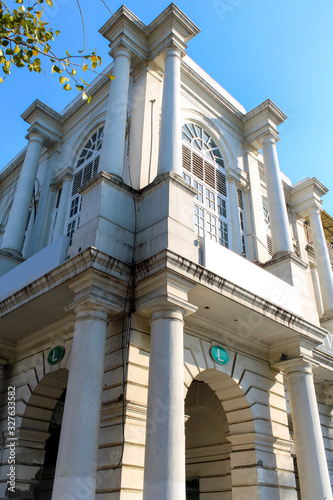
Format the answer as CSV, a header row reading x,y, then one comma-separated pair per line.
x,y
203,168
86,168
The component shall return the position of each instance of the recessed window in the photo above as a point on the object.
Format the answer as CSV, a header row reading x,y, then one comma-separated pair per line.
x,y
203,168
86,167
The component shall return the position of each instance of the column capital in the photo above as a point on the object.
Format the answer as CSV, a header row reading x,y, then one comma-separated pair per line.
x,y
261,121
65,175
315,209
35,135
167,311
238,177
164,293
121,51
95,292
295,365
173,50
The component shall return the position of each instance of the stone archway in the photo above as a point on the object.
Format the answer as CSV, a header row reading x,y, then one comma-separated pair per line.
x,y
208,471
34,432
244,402
224,462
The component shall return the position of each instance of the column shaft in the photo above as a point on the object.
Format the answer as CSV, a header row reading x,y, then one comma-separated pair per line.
x,y
322,260
309,444
165,436
15,229
170,138
234,218
112,153
63,207
281,236
75,475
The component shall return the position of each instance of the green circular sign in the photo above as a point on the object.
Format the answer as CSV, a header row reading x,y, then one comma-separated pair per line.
x,y
55,355
219,355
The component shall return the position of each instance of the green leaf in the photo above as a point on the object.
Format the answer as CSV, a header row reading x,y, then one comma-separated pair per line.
x,y
17,49
19,1
67,87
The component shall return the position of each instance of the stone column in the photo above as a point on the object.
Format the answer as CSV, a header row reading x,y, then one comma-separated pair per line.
x,y
169,159
322,260
281,236
75,475
15,229
59,229
165,436
113,149
309,444
234,213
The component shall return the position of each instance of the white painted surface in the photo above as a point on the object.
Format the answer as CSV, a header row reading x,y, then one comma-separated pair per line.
x,y
75,475
63,207
322,260
310,451
15,229
249,276
281,235
234,216
33,268
165,438
112,153
169,159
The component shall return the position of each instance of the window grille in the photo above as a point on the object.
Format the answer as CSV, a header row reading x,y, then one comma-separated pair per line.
x,y
203,168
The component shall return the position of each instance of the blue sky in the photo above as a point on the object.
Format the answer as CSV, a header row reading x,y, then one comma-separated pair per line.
x,y
256,49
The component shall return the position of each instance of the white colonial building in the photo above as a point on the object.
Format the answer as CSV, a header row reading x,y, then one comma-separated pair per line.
x,y
166,294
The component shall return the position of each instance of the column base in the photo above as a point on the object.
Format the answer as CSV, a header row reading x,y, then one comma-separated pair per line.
x,y
9,260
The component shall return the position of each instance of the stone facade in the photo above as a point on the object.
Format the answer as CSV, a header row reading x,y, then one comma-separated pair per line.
x,y
186,283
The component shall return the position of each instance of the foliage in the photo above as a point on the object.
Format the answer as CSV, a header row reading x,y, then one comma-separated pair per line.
x,y
25,40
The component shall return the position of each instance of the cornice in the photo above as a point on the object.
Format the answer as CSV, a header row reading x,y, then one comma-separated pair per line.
x,y
91,258
200,275
39,106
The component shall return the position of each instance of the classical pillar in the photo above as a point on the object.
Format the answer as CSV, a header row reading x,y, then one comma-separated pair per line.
x,y
281,236
59,229
75,475
309,444
113,149
322,260
15,229
165,437
256,236
317,290
234,213
169,159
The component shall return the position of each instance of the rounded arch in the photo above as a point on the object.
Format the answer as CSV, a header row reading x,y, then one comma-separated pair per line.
x,y
231,396
43,412
82,138
190,115
43,399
